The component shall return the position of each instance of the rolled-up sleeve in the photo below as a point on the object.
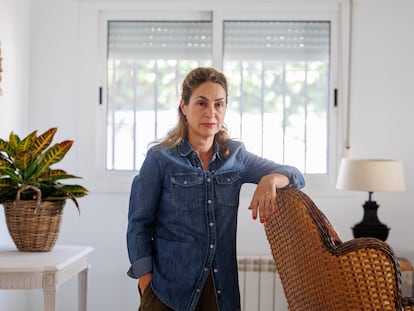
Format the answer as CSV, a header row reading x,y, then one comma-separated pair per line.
x,y
256,167
296,179
140,267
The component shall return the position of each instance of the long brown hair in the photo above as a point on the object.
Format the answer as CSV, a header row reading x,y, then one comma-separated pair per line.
x,y
193,79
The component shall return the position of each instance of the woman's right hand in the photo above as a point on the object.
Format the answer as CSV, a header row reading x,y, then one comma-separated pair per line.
x,y
144,281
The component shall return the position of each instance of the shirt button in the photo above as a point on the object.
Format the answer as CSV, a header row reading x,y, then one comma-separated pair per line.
x,y
215,270
205,269
208,179
219,292
211,224
211,246
198,290
209,201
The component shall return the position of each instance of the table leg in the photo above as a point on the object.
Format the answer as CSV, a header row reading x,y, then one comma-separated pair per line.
x,y
82,289
49,292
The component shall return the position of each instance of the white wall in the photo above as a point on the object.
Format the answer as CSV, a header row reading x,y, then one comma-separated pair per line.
x,y
14,37
381,114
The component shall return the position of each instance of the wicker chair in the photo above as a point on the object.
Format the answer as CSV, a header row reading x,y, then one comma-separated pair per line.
x,y
320,272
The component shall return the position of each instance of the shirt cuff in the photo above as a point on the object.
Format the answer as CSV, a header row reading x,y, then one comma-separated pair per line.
x,y
140,267
296,179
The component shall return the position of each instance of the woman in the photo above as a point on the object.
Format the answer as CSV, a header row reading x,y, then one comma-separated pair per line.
x,y
183,206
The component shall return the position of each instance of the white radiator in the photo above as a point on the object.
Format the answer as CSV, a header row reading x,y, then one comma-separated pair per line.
x,y
260,287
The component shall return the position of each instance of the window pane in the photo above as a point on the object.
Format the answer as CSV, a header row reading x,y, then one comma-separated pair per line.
x,y
279,81
147,62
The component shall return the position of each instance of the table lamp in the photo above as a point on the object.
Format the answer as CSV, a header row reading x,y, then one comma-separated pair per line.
x,y
371,175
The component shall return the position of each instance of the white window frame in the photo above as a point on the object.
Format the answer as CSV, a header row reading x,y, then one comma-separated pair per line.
x,y
93,21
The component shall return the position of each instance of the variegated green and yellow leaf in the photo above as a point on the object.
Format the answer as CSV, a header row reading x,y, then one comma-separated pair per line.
x,y
11,173
6,149
14,141
54,175
76,190
26,143
23,160
43,141
5,182
56,153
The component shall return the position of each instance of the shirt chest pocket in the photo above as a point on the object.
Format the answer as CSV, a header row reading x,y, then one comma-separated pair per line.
x,y
228,188
187,191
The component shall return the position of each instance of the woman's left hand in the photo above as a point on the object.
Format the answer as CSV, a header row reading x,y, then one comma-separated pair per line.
x,y
264,198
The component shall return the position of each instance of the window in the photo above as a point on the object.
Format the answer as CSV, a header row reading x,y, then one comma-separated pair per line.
x,y
283,65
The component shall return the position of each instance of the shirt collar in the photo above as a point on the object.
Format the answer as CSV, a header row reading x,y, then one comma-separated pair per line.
x,y
185,149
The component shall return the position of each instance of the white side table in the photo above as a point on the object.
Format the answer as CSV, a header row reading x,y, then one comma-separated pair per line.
x,y
46,270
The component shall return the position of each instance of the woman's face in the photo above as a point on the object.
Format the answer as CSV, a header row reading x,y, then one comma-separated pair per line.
x,y
205,111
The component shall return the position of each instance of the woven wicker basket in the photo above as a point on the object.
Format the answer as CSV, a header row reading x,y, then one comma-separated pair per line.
x,y
34,224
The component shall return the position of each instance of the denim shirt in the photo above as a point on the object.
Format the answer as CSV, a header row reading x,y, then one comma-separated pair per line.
x,y
183,220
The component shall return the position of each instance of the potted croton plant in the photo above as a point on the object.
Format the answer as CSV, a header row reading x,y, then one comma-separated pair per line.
x,y
31,190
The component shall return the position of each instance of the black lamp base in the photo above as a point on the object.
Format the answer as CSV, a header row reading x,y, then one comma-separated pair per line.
x,y
370,226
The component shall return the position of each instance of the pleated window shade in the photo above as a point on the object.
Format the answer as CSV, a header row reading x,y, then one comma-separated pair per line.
x,y
277,40
158,39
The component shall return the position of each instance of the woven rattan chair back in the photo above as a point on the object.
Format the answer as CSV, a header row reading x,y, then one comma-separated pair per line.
x,y
321,273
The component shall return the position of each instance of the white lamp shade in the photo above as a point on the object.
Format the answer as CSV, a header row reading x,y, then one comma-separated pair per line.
x,y
371,175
